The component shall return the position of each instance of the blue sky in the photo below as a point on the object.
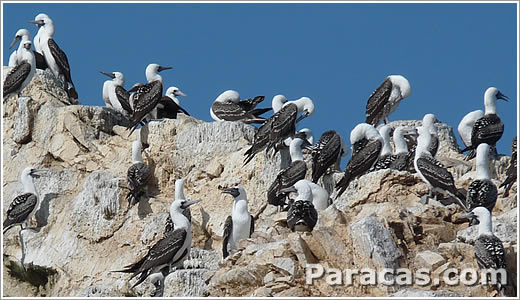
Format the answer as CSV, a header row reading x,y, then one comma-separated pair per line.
x,y
336,54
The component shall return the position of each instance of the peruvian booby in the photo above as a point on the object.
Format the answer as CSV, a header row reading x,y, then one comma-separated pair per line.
x,y
466,126
385,131
21,75
482,191
385,99
431,171
24,206
114,93
290,175
55,58
511,170
398,160
325,153
137,175
261,138
169,251
228,107
302,215
489,250
169,106
489,128
240,225
366,146
147,96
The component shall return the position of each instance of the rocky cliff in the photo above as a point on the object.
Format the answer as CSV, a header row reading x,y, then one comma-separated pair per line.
x,y
84,229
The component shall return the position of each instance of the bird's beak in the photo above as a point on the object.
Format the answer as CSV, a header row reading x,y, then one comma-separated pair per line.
x,y
39,23
179,93
232,191
411,132
163,68
300,135
470,216
502,96
304,115
16,39
35,173
189,203
290,189
109,75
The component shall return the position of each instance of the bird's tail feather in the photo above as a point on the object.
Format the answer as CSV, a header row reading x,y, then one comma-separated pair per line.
x,y
343,183
470,155
249,155
7,226
72,93
259,111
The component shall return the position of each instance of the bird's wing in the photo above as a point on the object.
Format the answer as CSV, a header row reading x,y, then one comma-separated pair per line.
x,y
252,228
228,111
123,97
14,79
164,250
284,123
435,172
20,208
250,104
378,99
228,231
61,59
325,154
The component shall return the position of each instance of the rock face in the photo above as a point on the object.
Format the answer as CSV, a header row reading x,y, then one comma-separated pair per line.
x,y
85,229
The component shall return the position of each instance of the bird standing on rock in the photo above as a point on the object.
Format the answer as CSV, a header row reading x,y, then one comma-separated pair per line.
x,y
240,225
21,75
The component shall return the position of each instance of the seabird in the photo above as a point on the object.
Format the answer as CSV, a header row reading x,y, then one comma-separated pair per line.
x,y
385,99
228,107
147,96
366,147
290,175
240,225
169,106
399,159
489,128
114,93
280,126
482,191
431,171
511,171
325,153
385,131
55,58
137,175
25,205
169,251
302,215
489,250
21,75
